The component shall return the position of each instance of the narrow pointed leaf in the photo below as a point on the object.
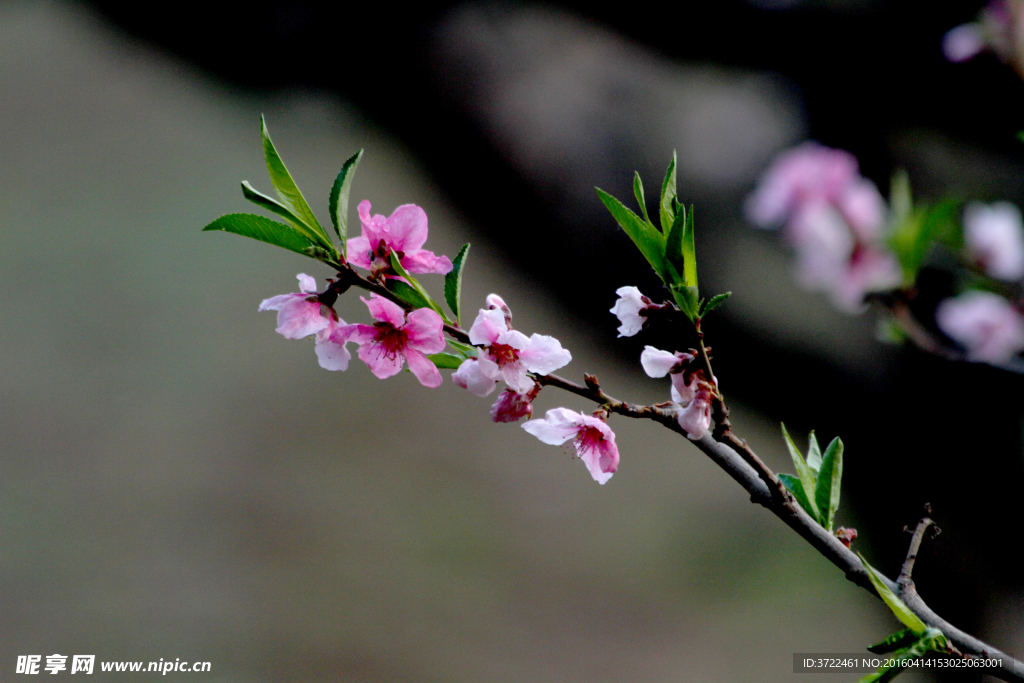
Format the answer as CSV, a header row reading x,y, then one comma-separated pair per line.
x,y
813,453
407,294
716,301
453,283
896,641
265,230
274,206
638,192
805,474
689,250
446,361
796,488
674,245
898,607
668,194
686,298
337,203
647,239
414,284
830,478
286,188
467,350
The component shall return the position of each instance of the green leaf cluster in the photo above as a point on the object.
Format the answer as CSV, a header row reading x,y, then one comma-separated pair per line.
x,y
302,233
916,640
915,230
669,249
818,478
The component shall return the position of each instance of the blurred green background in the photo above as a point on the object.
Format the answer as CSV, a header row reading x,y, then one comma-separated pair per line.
x,y
179,481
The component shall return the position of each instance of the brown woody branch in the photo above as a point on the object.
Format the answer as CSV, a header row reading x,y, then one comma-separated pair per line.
x,y
741,463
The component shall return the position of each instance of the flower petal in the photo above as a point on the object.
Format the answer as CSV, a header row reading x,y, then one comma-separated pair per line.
x,y
306,283
426,331
488,327
470,378
380,363
299,318
544,354
556,428
423,261
425,371
359,251
627,309
407,228
384,310
658,363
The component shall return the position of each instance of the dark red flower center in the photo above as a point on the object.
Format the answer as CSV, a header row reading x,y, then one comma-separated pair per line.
x,y
503,354
391,339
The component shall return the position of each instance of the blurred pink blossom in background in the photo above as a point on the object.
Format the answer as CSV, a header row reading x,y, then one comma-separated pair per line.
x,y
988,326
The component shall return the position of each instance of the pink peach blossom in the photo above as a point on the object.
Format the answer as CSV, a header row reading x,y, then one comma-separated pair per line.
x,y
994,235
512,406
509,355
986,324
403,232
593,438
398,337
298,314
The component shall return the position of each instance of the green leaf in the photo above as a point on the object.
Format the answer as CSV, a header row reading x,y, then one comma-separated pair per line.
x,y
453,283
467,350
407,294
826,496
274,206
668,194
896,641
674,246
804,472
902,612
446,361
716,301
813,453
647,239
796,488
286,188
687,298
1020,135
638,192
689,251
265,230
337,203
396,264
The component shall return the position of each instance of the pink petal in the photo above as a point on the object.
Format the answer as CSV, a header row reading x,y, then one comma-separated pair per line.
x,y
495,301
511,406
380,363
332,356
407,229
516,339
359,252
299,318
306,283
695,419
602,461
423,261
426,331
515,377
488,326
385,311
330,346
557,427
544,355
425,371
627,309
358,333
488,367
657,363
374,227
470,378
275,303
681,391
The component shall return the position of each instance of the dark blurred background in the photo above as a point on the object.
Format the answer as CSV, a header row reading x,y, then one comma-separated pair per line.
x,y
514,112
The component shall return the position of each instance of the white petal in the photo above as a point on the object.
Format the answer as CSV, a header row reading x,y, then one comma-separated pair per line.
x,y
556,428
470,378
544,354
306,283
657,363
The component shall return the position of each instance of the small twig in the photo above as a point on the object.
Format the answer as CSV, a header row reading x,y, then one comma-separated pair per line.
x,y
905,582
